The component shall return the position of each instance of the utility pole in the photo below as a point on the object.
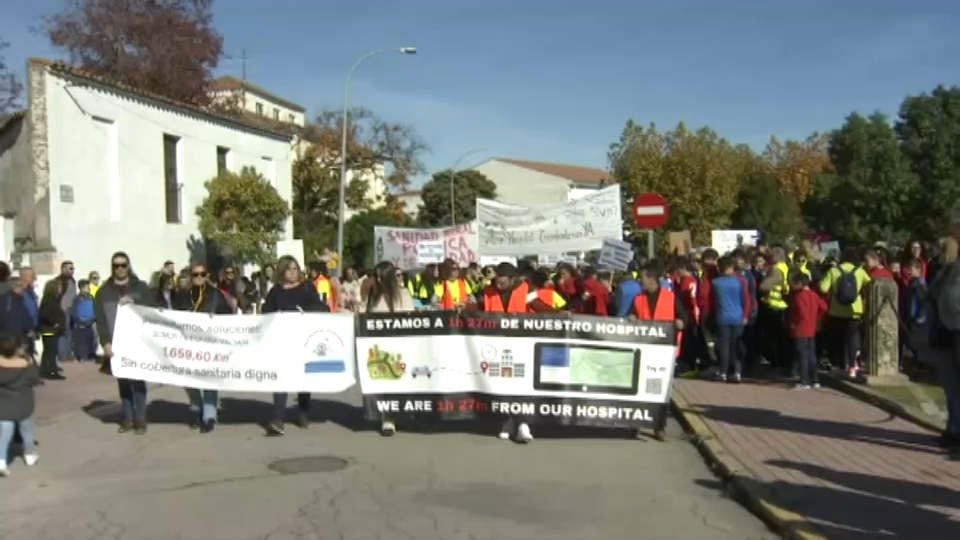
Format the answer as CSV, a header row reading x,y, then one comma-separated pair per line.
x,y
243,60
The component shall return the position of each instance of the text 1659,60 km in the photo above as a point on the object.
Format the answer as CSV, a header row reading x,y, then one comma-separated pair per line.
x,y
181,353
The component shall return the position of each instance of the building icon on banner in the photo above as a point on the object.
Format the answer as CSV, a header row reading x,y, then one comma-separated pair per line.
x,y
506,368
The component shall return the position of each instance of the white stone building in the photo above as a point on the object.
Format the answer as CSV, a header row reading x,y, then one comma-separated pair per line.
x,y
92,167
257,100
537,183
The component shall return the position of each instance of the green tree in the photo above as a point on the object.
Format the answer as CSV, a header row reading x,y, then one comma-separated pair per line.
x,y
244,213
468,186
929,133
869,195
375,149
358,234
765,204
10,87
697,171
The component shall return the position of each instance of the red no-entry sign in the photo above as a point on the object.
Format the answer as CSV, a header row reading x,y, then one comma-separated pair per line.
x,y
650,210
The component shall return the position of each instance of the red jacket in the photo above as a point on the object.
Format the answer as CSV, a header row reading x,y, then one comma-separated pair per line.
x,y
804,310
878,272
596,298
687,291
705,291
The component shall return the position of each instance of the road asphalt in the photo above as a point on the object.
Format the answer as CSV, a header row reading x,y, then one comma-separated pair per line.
x,y
340,480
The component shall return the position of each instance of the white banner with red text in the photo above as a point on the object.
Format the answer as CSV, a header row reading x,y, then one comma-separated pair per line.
x,y
279,352
401,246
547,368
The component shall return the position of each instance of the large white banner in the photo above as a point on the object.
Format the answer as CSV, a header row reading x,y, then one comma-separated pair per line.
x,y
280,352
548,368
578,225
400,245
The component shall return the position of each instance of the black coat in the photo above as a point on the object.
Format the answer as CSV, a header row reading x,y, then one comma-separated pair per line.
x,y
212,301
52,319
16,392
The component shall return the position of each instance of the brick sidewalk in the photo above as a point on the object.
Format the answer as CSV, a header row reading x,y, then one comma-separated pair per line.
x,y
851,469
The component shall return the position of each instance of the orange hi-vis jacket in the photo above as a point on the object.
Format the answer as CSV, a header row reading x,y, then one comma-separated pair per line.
x,y
493,300
325,290
448,301
546,296
665,310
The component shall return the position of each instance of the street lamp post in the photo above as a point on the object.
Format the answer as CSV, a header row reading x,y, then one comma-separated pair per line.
x,y
343,142
453,176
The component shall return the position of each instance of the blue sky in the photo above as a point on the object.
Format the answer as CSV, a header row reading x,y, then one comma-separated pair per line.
x,y
555,80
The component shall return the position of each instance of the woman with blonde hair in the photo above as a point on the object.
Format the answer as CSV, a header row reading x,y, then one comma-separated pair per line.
x,y
291,293
387,295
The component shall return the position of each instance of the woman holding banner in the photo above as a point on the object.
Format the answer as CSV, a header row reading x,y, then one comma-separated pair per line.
x,y
291,293
386,294
202,297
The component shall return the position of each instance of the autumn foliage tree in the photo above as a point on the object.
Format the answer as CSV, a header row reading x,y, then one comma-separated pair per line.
x,y
375,149
10,86
796,164
698,171
168,47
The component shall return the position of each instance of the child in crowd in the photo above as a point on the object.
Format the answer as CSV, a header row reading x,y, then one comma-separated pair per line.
x,y
18,376
913,307
82,317
805,309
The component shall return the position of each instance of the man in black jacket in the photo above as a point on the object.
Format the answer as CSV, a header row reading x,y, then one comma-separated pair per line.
x,y
123,287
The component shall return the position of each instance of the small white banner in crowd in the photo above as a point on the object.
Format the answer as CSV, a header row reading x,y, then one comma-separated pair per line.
x,y
575,226
430,252
729,240
401,246
280,352
547,368
615,254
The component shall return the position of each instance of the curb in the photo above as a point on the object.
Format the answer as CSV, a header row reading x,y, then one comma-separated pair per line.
x,y
745,487
881,402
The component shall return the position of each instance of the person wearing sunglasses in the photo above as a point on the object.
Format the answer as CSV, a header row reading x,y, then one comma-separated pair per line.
x,y
201,296
121,288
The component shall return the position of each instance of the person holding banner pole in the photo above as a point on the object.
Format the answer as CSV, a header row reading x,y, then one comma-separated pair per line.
x,y
659,304
202,297
123,287
387,295
511,294
291,293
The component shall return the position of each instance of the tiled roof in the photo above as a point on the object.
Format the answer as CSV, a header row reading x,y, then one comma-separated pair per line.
x,y
574,173
229,82
242,119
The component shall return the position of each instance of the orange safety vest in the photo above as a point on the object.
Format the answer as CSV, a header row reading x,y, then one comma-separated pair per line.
x,y
447,301
493,300
546,296
325,290
663,311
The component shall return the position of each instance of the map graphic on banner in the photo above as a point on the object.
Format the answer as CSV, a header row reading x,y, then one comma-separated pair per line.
x,y
552,368
400,245
578,225
280,352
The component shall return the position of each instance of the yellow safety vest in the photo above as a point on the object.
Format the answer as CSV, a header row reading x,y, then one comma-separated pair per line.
x,y
776,298
413,285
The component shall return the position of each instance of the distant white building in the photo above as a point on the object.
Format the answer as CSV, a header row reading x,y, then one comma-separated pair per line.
x,y
93,167
257,100
411,201
538,183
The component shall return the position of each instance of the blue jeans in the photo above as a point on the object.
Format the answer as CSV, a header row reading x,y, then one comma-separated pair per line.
x,y
84,341
203,402
728,348
8,428
133,398
65,348
807,359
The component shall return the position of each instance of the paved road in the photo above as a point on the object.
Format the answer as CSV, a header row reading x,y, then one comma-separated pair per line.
x,y
171,483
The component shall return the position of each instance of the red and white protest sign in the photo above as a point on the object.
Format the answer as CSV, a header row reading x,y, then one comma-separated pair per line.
x,y
399,245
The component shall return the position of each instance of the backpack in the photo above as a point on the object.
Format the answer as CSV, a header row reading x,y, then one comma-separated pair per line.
x,y
846,289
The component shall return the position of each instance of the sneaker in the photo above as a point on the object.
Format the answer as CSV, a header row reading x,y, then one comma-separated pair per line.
x,y
196,421
303,419
523,433
802,387
722,378
125,426
816,385
275,429
208,426
503,435
31,459
140,427
737,378
387,429
4,471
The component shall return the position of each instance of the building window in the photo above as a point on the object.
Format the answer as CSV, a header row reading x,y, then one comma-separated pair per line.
x,y
171,182
290,118
276,114
222,159
260,109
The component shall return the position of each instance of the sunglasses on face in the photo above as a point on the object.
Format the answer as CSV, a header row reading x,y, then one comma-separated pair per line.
x,y
121,265
199,274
